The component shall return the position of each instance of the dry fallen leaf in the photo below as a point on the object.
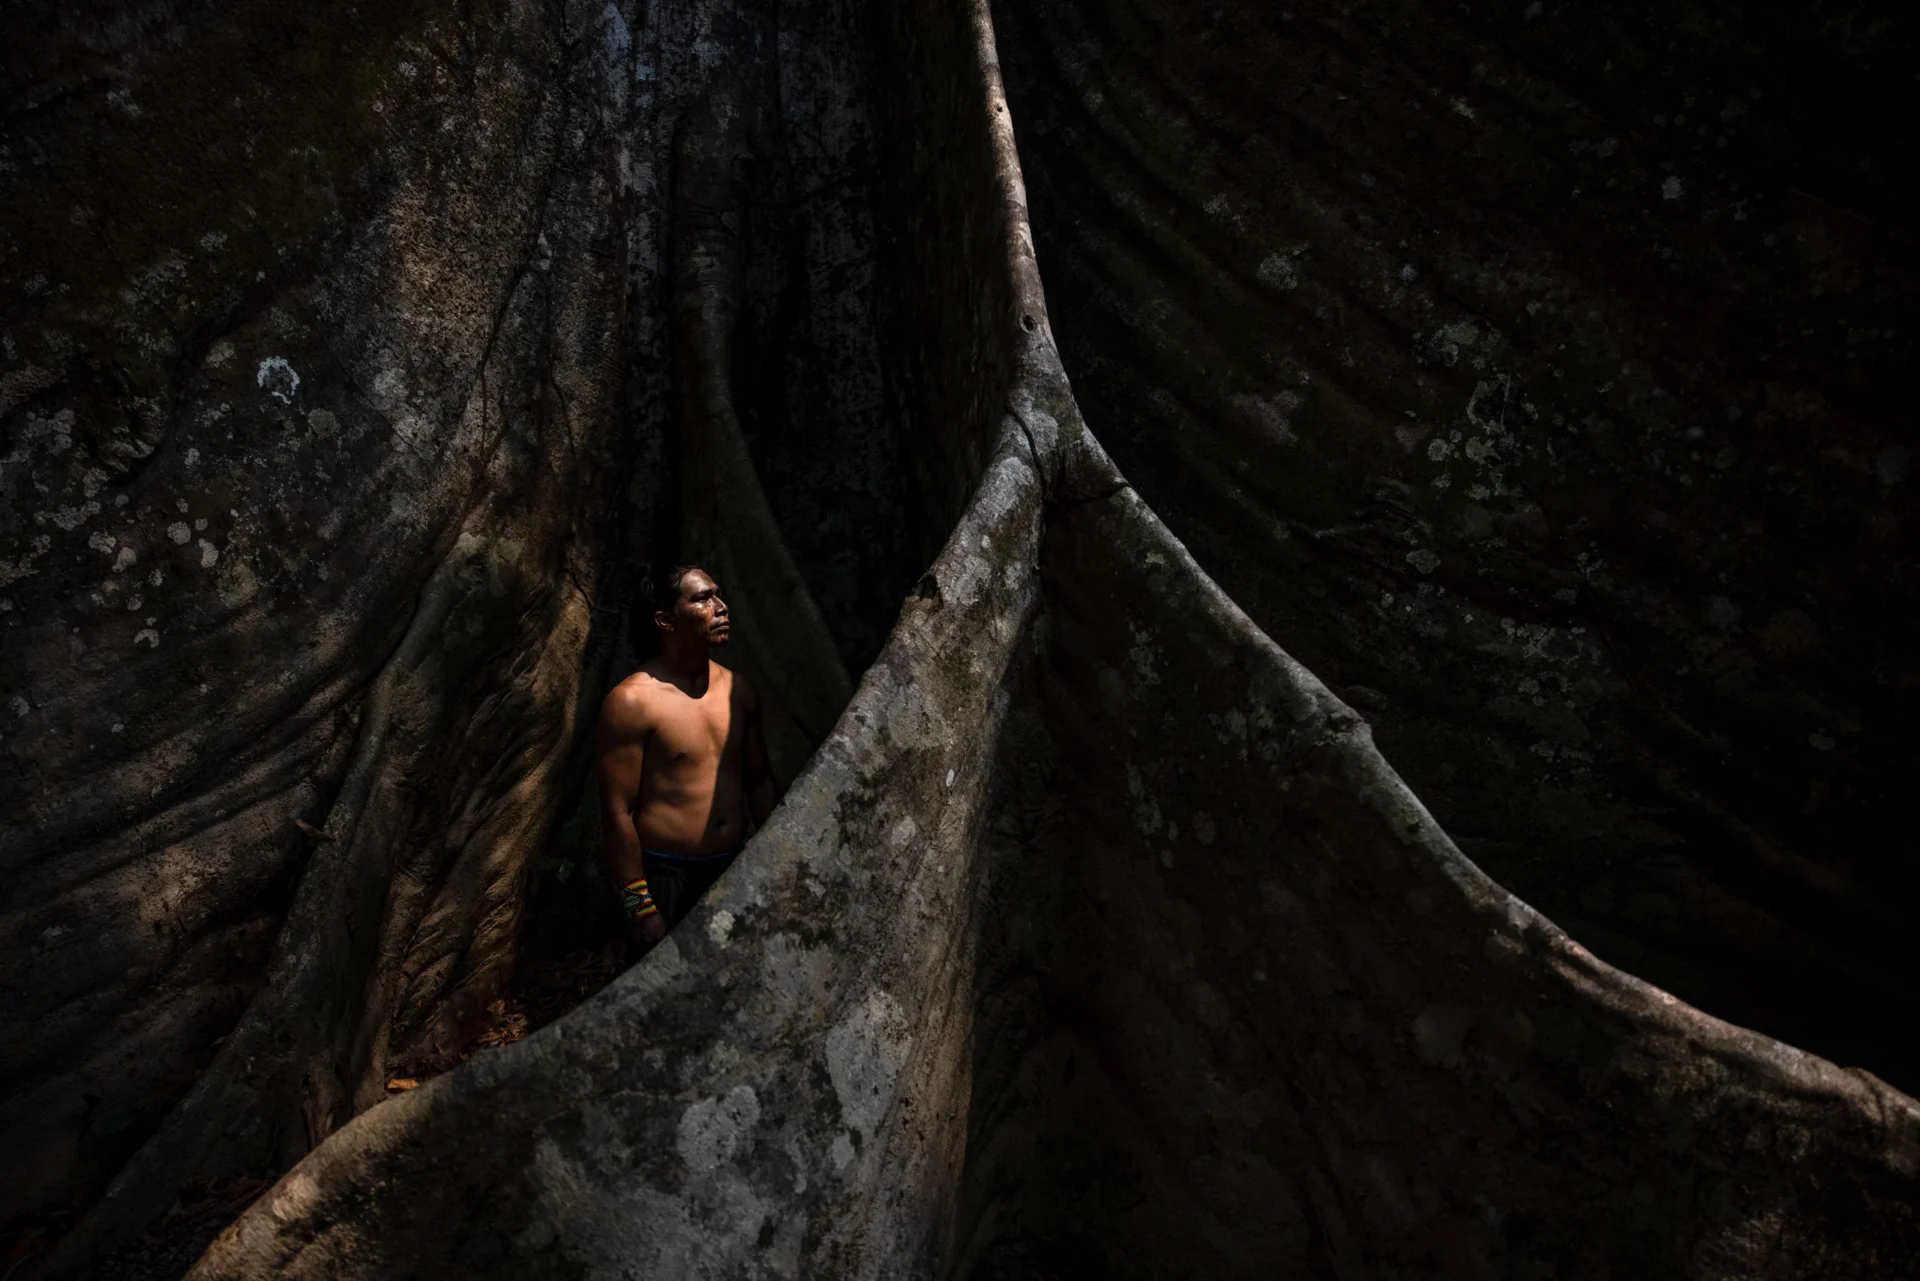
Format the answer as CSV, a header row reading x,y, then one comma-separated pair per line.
x,y
401,1083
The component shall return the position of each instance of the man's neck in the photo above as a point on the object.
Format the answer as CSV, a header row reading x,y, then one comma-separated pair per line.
x,y
685,666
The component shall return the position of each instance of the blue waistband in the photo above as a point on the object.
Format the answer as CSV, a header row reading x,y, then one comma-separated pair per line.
x,y
686,858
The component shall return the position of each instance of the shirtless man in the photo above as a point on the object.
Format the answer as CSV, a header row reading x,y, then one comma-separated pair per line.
x,y
682,761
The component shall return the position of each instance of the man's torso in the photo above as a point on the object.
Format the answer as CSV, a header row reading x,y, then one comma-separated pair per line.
x,y
692,797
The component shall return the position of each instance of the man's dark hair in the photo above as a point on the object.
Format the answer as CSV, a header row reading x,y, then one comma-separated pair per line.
x,y
659,593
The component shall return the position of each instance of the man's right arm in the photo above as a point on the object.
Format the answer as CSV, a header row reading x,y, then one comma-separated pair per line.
x,y
619,753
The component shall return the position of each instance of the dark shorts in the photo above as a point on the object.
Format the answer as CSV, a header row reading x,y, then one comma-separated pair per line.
x,y
679,880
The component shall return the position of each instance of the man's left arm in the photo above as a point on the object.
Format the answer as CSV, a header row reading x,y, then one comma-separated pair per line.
x,y
762,792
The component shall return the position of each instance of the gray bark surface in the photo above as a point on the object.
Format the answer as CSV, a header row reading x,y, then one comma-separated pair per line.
x,y
1094,936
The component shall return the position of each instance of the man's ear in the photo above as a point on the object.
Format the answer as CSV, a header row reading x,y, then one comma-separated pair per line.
x,y
661,621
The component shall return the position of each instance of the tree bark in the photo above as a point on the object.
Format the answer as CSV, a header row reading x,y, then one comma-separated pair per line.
x,y
1094,936
1496,363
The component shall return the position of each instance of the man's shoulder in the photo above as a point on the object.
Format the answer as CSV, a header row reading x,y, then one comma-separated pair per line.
x,y
631,698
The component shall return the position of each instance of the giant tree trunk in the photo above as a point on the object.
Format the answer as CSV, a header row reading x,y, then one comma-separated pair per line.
x,y
307,456
1535,376
1094,936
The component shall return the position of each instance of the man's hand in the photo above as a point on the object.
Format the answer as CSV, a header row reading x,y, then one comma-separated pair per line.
x,y
647,930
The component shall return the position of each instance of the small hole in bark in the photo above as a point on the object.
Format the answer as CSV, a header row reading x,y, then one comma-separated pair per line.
x,y
1029,323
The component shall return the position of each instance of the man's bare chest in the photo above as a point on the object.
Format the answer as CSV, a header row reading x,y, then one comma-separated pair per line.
x,y
692,734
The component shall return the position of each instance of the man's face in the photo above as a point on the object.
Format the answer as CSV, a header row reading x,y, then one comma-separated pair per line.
x,y
699,611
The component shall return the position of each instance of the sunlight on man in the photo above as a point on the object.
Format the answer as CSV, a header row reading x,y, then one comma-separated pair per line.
x,y
682,761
